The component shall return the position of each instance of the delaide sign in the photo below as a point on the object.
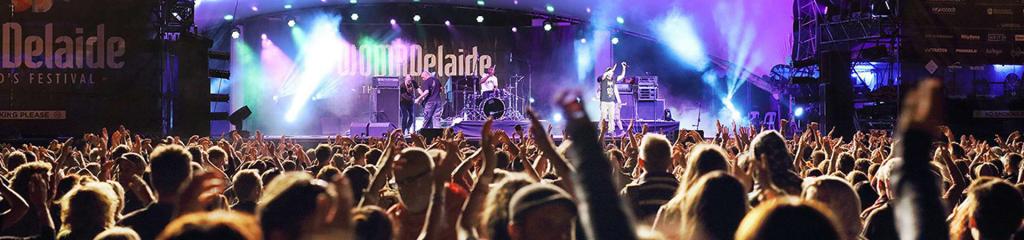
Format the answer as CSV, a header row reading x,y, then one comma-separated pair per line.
x,y
68,66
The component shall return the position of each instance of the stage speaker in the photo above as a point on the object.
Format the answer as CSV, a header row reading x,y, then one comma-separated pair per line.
x,y
379,130
191,96
430,133
628,110
387,106
650,110
358,129
835,73
238,117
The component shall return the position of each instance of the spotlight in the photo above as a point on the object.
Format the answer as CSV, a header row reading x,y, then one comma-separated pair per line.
x,y
354,17
620,20
547,26
557,117
479,19
615,40
798,112
447,23
263,36
393,22
290,20
588,10
416,18
550,8
229,17
255,9
353,1
235,33
514,29
583,40
533,100
480,2
287,6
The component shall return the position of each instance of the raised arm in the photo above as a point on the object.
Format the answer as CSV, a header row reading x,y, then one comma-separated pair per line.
x,y
918,205
602,213
18,205
472,207
372,196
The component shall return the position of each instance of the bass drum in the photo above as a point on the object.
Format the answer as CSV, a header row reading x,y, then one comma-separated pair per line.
x,y
493,108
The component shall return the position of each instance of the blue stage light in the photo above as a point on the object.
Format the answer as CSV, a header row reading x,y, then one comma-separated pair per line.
x,y
798,112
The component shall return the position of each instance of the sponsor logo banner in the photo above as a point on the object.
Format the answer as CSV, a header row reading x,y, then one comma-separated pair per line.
x,y
998,114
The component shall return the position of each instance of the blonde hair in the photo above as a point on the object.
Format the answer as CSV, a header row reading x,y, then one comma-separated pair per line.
x,y
218,224
91,206
836,194
789,218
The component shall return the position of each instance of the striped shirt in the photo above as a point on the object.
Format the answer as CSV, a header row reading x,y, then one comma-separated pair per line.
x,y
647,193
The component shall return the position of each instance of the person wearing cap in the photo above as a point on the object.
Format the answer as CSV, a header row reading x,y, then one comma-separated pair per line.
x,y
541,211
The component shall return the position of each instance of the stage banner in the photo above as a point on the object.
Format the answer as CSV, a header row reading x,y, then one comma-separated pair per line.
x,y
70,66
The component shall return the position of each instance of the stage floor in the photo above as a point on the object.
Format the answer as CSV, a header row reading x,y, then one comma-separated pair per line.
x,y
471,129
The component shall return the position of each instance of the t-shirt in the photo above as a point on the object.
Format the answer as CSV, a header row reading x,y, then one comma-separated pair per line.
x,y
490,83
149,221
434,86
607,90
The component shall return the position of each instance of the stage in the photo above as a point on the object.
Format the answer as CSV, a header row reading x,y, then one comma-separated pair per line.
x,y
471,130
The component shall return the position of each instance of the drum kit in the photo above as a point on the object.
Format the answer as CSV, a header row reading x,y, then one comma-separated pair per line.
x,y
500,104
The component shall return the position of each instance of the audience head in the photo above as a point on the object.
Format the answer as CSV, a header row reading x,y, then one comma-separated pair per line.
x,y
217,156
247,185
323,154
227,225
656,153
294,204
90,207
118,233
713,207
703,159
997,210
541,211
769,146
788,218
838,196
15,159
496,211
372,223
170,170
359,178
412,173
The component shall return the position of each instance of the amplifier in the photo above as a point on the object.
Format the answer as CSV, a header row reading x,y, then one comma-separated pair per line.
x,y
386,82
646,88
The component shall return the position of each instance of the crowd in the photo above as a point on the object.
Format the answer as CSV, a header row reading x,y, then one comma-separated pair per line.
x,y
919,182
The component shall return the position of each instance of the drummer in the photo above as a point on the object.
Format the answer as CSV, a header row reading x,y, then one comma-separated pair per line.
x,y
488,83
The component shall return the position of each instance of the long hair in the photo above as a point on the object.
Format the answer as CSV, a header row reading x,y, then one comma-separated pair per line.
x,y
836,194
702,160
780,161
714,207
